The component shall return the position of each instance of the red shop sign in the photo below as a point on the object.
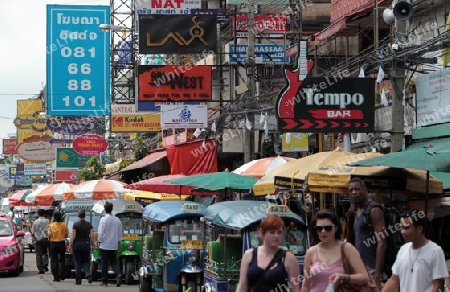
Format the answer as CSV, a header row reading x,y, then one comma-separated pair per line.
x,y
90,144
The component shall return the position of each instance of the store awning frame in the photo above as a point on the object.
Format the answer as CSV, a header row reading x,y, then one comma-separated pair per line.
x,y
146,161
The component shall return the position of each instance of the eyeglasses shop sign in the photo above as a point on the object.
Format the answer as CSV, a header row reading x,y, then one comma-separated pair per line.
x,y
184,116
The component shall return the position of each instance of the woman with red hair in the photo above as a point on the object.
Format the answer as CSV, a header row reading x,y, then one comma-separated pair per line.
x,y
267,267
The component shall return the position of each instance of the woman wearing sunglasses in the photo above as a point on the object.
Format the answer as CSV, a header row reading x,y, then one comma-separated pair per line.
x,y
323,261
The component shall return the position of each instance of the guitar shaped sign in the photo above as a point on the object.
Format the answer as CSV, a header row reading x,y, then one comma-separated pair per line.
x,y
294,76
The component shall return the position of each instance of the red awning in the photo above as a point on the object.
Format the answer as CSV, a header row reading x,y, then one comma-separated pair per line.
x,y
146,161
332,29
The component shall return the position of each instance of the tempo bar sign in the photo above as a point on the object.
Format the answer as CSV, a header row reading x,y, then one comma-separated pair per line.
x,y
77,60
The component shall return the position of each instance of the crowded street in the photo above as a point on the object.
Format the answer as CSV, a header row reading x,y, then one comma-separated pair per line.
x,y
30,280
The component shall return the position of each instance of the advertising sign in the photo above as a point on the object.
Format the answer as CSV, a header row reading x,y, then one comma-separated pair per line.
x,y
264,53
78,82
145,122
177,34
9,146
433,104
184,116
28,107
90,144
222,14
30,122
69,158
297,142
174,83
37,148
166,6
71,125
67,175
266,25
38,169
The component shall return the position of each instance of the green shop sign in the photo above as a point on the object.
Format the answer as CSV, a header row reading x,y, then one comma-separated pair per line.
x,y
69,158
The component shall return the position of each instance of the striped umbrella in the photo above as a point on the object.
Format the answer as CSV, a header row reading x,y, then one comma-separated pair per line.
x,y
46,195
102,189
18,198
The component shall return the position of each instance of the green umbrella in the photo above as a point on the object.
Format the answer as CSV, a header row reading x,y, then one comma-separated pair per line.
x,y
427,158
216,181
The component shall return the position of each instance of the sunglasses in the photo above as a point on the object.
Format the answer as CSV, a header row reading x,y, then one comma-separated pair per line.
x,y
327,228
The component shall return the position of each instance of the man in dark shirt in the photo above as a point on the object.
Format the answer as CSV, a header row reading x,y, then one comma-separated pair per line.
x,y
371,248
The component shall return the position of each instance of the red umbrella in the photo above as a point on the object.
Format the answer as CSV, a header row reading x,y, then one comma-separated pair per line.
x,y
157,185
18,198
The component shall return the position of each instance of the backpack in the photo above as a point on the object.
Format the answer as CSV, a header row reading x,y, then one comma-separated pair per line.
x,y
394,240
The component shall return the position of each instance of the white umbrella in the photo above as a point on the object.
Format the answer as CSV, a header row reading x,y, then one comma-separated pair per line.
x,y
46,195
102,189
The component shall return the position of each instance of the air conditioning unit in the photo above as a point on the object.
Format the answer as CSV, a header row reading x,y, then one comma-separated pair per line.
x,y
359,137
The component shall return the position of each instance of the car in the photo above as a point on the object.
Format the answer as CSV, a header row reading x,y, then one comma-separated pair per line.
x,y
12,255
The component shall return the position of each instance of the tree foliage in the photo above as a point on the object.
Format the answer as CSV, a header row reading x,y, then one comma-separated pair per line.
x,y
93,170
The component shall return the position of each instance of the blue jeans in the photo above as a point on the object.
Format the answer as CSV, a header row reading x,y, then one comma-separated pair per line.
x,y
82,256
108,257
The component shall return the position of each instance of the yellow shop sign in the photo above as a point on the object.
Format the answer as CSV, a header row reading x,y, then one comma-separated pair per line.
x,y
146,122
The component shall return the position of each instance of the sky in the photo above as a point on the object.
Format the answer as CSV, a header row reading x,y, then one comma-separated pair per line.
x,y
23,51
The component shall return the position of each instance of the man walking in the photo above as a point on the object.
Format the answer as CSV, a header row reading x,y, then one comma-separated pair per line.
x,y
109,235
420,264
373,255
39,231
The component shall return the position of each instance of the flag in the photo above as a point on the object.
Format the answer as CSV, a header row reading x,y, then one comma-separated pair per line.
x,y
380,76
197,132
213,127
266,130
361,72
384,100
261,118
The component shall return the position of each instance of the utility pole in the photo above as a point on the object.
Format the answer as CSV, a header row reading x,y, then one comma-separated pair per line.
x,y
250,71
398,84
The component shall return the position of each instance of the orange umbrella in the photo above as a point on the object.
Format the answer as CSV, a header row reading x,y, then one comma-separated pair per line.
x,y
260,167
45,196
102,189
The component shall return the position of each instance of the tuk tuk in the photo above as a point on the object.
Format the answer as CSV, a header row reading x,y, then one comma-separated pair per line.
x,y
173,249
231,228
69,210
130,248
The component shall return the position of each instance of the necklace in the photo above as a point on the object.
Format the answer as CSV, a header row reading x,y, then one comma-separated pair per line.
x,y
413,262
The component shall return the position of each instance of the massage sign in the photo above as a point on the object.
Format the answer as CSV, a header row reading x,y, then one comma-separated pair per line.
x,y
326,104
90,144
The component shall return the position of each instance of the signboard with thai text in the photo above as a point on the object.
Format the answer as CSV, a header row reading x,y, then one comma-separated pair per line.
x,y
174,83
78,81
166,6
177,34
9,146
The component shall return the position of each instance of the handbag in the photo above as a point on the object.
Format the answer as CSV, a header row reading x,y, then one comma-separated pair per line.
x,y
277,256
351,287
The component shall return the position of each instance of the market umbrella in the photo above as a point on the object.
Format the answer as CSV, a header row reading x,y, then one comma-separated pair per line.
x,y
46,195
18,198
295,172
425,158
259,167
145,197
158,184
216,181
102,189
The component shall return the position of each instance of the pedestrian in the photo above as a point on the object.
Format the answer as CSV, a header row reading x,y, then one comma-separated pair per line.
x,y
81,244
39,231
324,263
11,213
109,235
420,263
57,234
373,255
268,267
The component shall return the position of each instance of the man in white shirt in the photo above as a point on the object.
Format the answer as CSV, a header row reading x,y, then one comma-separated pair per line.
x,y
109,235
420,264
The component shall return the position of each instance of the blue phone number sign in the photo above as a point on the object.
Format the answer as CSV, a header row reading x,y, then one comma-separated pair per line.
x,y
78,81
266,53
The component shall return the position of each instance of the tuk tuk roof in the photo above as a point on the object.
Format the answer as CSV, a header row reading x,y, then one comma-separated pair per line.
x,y
164,211
243,214
119,206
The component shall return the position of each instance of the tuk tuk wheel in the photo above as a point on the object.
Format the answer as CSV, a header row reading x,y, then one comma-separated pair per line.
x,y
145,284
130,270
94,271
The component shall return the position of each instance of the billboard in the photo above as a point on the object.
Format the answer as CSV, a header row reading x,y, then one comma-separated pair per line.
x,y
184,116
177,34
166,6
78,81
173,83
265,25
264,53
9,146
138,122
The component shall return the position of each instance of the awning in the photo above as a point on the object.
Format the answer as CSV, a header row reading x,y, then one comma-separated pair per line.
x,y
332,29
147,160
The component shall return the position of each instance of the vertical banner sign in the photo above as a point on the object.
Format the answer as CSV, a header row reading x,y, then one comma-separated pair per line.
x,y
77,60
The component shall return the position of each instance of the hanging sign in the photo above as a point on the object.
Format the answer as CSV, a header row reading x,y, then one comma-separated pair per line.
x,y
90,144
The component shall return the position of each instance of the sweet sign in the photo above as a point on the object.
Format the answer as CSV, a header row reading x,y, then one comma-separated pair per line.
x,y
90,144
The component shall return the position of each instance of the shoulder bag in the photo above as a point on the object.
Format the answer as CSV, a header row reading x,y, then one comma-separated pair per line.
x,y
351,287
277,256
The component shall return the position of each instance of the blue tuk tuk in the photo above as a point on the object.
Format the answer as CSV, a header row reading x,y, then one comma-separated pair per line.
x,y
172,258
231,228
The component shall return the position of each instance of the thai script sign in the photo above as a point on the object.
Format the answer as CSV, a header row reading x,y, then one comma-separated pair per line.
x,y
9,146
166,6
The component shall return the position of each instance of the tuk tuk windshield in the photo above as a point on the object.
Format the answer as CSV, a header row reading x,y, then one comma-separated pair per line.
x,y
294,239
132,225
184,229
